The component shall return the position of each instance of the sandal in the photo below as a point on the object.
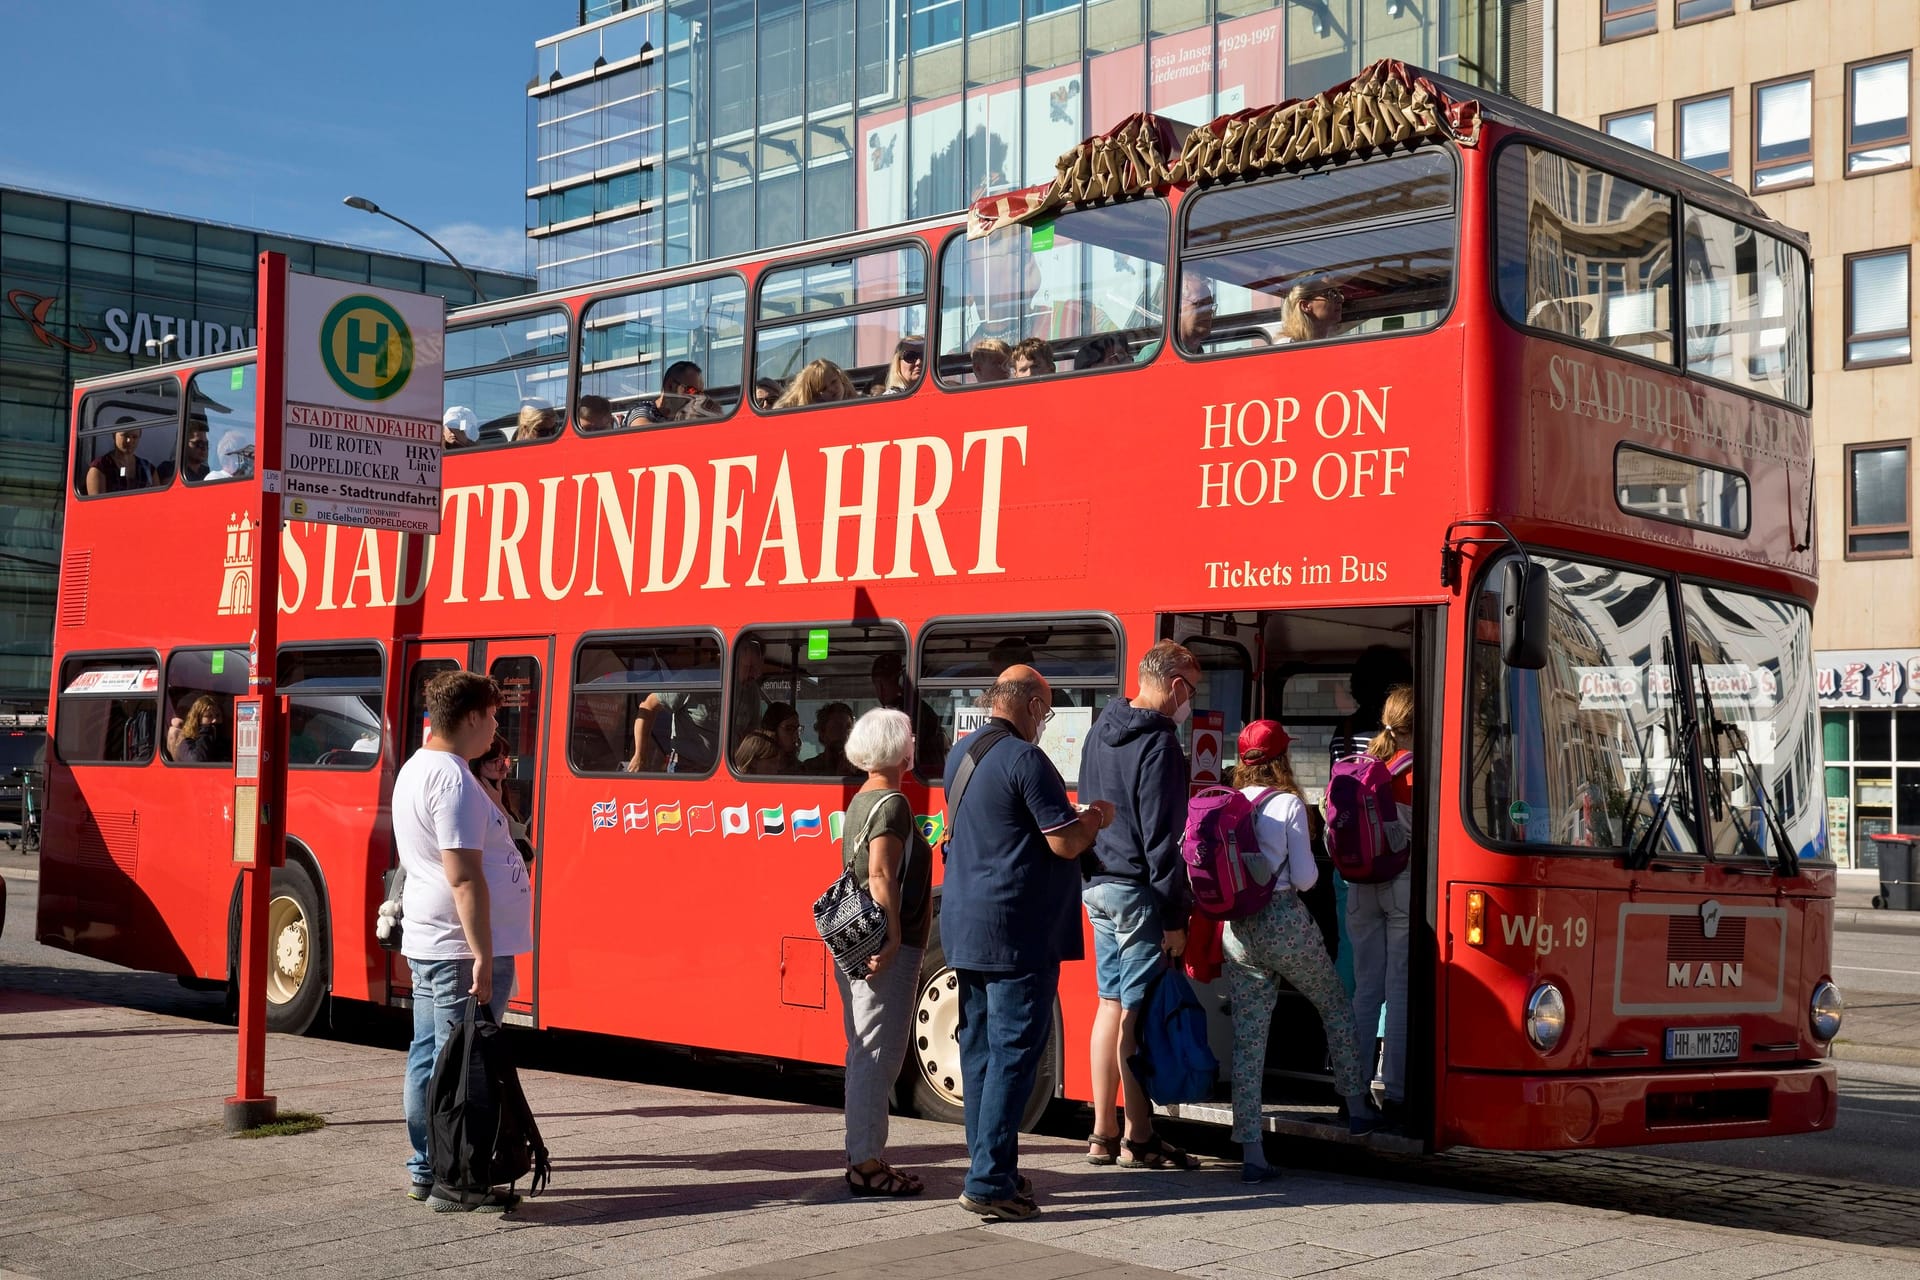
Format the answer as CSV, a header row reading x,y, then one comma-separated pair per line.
x,y
1156,1153
1108,1149
884,1181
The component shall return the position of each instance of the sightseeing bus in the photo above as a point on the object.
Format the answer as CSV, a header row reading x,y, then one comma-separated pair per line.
x,y
1395,376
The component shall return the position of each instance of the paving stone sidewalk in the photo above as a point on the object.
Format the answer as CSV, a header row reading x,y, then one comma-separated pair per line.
x,y
112,1163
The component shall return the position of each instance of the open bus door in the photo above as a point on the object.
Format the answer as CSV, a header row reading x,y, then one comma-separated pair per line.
x,y
1296,666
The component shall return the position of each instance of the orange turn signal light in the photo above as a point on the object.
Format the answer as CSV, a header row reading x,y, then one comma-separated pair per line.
x,y
1476,918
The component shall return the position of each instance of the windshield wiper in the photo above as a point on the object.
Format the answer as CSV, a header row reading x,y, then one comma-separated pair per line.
x,y
1680,747
1785,860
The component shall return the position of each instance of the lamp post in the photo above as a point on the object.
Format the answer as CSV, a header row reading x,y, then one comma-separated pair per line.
x,y
368,206
157,347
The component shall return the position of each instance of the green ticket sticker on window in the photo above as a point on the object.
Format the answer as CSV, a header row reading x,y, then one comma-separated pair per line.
x,y
237,380
1042,237
219,661
816,644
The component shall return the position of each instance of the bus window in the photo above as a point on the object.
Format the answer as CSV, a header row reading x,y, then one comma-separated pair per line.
x,y
499,368
519,717
1089,285
1584,253
334,695
853,313
126,438
201,687
424,670
1746,308
1755,681
1590,752
218,444
821,677
108,709
959,661
662,355
1348,252
645,703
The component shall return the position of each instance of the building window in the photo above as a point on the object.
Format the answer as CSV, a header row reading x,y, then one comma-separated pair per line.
x,y
1879,501
1633,127
1879,305
1685,11
1879,135
1872,761
1621,19
1783,134
1704,128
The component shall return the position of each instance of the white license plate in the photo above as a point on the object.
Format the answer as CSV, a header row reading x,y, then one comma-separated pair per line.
x,y
1690,1044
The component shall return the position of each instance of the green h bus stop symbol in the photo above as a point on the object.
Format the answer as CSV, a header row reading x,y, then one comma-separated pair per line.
x,y
366,348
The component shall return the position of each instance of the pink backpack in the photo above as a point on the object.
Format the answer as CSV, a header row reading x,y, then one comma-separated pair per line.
x,y
1358,805
1230,879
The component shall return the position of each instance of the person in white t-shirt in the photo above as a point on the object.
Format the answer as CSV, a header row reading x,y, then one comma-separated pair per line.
x,y
1281,940
466,911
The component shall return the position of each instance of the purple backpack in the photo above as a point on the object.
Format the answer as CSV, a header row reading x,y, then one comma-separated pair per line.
x,y
1230,879
1358,805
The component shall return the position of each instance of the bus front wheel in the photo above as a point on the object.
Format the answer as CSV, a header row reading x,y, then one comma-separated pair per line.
x,y
930,1080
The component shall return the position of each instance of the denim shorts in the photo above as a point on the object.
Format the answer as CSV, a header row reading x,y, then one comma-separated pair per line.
x,y
1126,939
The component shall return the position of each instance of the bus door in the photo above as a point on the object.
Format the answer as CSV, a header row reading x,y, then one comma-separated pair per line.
x,y
424,662
522,669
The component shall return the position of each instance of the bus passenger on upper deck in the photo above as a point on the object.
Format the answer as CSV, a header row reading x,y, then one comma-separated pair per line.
x,y
1102,350
235,456
992,360
1194,324
120,468
904,369
1314,308
1032,358
766,392
595,413
193,462
819,382
458,427
682,381
538,421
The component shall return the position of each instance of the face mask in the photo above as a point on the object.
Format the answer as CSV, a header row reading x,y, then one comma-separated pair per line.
x,y
1183,712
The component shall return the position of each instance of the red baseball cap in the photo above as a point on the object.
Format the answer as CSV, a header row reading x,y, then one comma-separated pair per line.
x,y
1262,740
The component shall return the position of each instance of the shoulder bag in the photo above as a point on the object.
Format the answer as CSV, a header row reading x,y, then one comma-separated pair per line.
x,y
850,922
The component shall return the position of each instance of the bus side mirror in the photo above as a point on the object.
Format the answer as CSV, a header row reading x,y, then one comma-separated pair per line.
x,y
1523,615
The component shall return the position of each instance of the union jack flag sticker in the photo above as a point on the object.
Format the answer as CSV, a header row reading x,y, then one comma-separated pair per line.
x,y
606,815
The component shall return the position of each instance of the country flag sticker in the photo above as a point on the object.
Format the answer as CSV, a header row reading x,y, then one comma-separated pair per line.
x,y
773,821
636,816
700,817
606,815
837,824
932,825
806,823
666,817
736,820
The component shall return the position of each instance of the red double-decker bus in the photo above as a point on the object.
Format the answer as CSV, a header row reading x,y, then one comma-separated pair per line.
x,y
1389,377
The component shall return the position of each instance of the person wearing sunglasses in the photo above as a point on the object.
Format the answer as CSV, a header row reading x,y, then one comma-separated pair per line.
x,y
1314,310
903,371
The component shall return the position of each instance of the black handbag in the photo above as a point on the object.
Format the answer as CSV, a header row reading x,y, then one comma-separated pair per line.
x,y
850,922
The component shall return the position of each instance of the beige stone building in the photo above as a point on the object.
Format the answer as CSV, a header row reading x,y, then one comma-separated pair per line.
x,y
1808,104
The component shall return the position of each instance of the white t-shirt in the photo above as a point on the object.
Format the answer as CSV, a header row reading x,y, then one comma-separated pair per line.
x,y
1281,827
438,804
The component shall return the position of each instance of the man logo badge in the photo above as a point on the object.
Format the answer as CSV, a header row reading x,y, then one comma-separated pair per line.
x,y
1709,918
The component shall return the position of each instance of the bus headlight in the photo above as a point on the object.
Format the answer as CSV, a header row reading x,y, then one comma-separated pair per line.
x,y
1546,1017
1825,1010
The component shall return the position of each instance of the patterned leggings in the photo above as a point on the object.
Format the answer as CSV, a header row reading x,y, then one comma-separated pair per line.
x,y
1281,942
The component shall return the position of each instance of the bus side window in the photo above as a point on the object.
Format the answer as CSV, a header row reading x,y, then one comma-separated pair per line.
x,y
335,695
645,703
869,306
820,677
632,345
1089,285
519,718
201,686
108,709
126,439
509,374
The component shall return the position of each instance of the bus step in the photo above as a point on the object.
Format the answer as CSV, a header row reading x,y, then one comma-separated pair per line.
x,y
1320,1123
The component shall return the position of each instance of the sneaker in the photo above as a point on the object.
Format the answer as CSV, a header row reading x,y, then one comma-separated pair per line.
x,y
419,1190
1252,1174
495,1201
1362,1123
1016,1209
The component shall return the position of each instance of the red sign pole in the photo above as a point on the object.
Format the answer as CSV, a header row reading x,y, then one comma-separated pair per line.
x,y
251,1104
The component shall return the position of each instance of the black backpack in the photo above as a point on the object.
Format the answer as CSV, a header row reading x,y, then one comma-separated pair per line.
x,y
481,1133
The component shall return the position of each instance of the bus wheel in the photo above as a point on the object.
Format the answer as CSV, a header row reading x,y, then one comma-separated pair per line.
x,y
296,951
930,1081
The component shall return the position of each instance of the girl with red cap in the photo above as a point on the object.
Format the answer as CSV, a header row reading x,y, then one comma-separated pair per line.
x,y
1282,941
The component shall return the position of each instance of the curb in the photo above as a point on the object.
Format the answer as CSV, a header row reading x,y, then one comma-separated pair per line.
x,y
1883,1054
1853,920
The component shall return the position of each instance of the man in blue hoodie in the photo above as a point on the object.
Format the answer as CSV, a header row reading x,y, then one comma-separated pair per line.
x,y
1136,892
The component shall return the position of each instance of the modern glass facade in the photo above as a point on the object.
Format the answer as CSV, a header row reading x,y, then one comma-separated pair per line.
x,y
84,288
668,131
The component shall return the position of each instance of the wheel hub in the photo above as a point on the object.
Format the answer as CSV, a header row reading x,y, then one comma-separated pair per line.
x,y
287,932
936,1035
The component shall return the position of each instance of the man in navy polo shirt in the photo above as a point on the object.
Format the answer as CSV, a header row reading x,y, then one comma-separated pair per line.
x,y
1009,914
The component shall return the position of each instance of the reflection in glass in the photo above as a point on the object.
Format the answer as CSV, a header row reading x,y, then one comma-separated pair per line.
x,y
1673,488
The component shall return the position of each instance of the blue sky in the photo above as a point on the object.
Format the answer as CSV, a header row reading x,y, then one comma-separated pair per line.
x,y
267,112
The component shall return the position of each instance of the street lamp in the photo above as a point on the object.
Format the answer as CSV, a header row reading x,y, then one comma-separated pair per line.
x,y
157,347
368,206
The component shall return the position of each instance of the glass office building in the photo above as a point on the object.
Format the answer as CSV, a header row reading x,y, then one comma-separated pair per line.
x,y
90,289
667,131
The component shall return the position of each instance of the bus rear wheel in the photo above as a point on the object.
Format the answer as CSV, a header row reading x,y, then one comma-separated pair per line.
x,y
930,1081
297,953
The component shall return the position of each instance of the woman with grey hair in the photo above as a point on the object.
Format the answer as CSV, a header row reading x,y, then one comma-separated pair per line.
x,y
888,855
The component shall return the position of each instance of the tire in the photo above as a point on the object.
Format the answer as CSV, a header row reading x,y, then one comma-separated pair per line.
x,y
298,954
929,1085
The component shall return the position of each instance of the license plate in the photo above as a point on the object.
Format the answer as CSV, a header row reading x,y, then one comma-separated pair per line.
x,y
1690,1044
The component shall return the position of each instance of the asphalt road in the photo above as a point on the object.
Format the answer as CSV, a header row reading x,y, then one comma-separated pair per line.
x,y
1886,963
1860,1182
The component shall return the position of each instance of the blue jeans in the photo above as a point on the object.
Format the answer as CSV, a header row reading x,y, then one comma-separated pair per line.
x,y
1005,1021
1126,940
440,1001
